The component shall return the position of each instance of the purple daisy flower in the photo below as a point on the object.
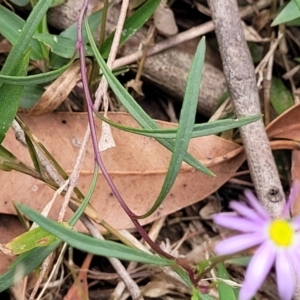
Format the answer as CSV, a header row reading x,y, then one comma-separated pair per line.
x,y
277,241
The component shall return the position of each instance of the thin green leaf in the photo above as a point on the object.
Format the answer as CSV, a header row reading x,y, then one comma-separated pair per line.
x,y
280,97
10,27
24,264
37,237
93,245
204,296
290,12
131,25
185,125
226,292
11,97
135,110
33,155
94,21
295,22
240,261
297,3
198,130
59,45
57,2
75,217
31,95
29,261
20,2
33,79
25,36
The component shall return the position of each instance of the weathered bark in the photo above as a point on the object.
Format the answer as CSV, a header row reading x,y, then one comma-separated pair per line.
x,y
239,71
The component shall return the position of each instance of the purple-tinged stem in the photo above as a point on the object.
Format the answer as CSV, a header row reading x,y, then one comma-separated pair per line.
x,y
97,156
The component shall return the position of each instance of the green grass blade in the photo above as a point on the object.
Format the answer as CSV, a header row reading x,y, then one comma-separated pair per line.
x,y
24,264
75,217
10,26
11,96
185,125
198,130
135,110
94,21
93,245
131,25
34,79
34,156
25,36
60,45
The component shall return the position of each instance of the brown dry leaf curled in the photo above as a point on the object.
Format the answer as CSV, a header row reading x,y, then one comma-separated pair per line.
x,y
287,125
80,290
57,91
137,165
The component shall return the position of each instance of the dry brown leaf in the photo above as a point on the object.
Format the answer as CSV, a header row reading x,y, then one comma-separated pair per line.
x,y
80,290
137,165
5,46
10,227
261,20
287,125
57,91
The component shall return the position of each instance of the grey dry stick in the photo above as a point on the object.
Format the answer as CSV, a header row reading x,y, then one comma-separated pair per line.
x,y
239,72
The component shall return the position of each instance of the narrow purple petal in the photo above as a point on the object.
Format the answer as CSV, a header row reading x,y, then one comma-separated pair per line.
x,y
296,223
257,270
285,276
253,201
236,223
294,257
239,243
246,211
295,189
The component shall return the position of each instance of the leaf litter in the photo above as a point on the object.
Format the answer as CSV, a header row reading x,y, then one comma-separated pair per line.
x,y
138,166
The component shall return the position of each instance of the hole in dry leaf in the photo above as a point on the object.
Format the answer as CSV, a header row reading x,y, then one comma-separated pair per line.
x,y
64,121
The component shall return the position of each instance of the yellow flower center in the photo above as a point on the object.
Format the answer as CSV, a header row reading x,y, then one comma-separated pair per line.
x,y
281,233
